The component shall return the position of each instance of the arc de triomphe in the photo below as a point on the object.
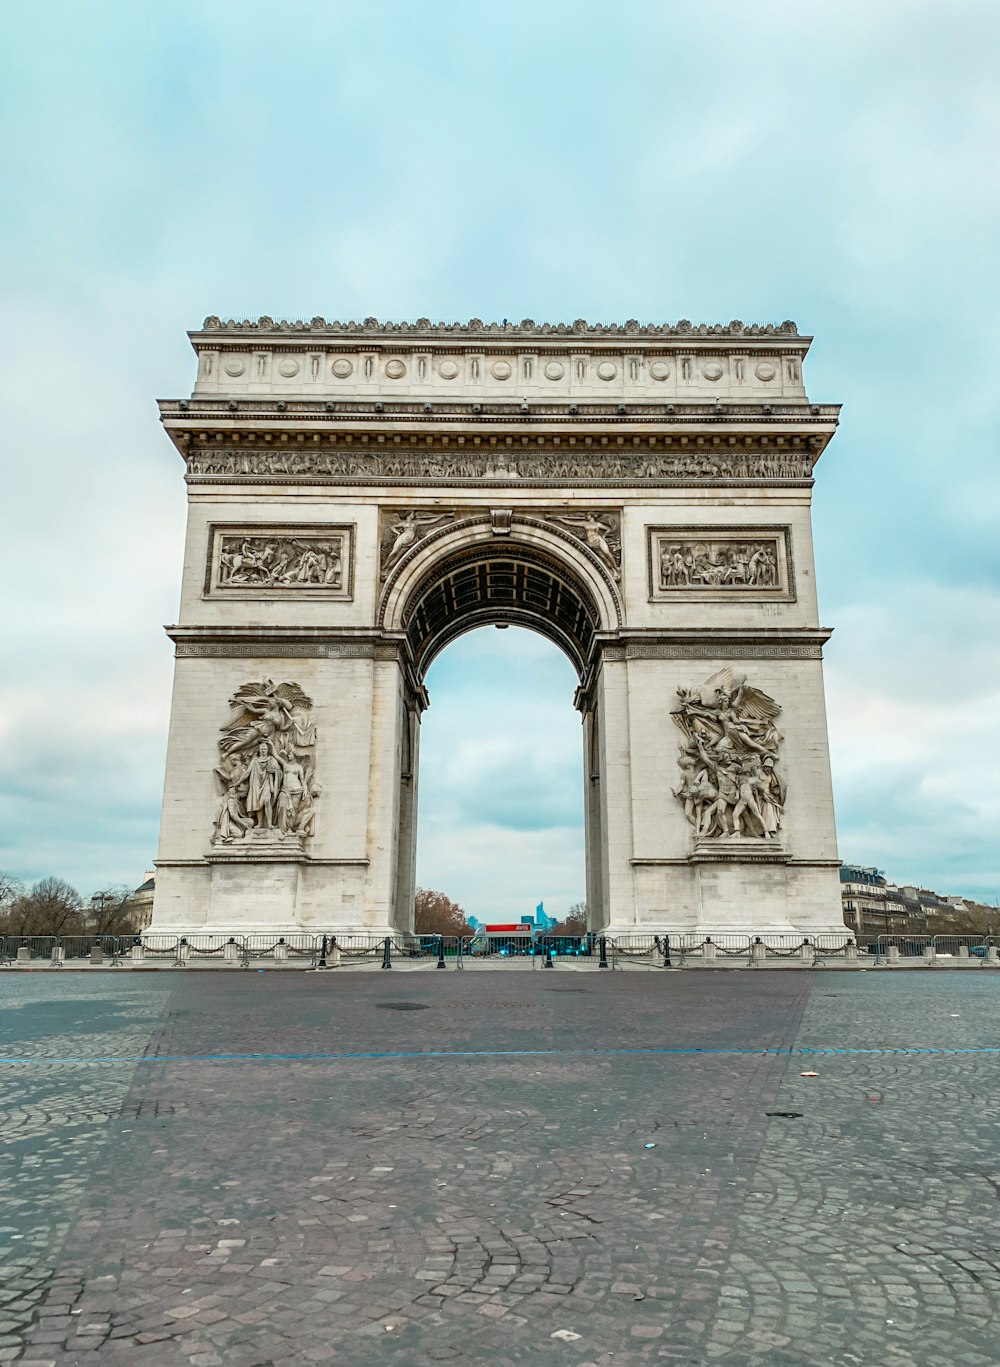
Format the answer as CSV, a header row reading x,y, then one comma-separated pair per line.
x,y
361,494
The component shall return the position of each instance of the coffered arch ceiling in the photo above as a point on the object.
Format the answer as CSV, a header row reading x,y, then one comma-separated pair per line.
x,y
487,585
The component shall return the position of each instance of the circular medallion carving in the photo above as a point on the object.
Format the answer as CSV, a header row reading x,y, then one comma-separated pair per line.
x,y
342,367
764,371
607,370
659,370
447,370
288,367
235,366
555,370
712,371
395,370
500,370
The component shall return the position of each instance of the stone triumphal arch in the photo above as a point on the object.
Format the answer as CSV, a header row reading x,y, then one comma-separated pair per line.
x,y
361,494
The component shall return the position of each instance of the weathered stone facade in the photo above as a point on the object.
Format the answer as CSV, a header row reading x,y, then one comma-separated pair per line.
x,y
361,494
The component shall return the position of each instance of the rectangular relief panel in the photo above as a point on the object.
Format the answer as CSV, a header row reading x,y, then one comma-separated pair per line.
x,y
720,564
301,560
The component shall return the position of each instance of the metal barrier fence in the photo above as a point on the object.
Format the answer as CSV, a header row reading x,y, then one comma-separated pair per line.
x,y
343,950
934,948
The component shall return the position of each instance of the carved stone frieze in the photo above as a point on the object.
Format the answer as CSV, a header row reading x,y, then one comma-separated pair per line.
x,y
720,563
572,466
251,561
731,787
266,771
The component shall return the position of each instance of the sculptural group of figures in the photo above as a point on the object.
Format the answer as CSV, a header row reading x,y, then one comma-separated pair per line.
x,y
273,561
730,783
698,565
266,771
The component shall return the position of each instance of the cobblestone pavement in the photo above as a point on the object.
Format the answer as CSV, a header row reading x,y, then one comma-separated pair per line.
x,y
242,1171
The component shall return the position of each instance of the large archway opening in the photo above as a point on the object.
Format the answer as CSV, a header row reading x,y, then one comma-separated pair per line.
x,y
501,804
501,769
512,585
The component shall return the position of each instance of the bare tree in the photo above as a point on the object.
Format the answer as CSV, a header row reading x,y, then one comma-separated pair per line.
x,y
52,907
111,911
437,914
11,889
575,922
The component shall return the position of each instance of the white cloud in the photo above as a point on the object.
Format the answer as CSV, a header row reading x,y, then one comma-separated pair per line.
x,y
913,688
833,162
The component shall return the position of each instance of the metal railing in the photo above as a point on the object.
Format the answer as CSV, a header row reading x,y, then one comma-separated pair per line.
x,y
889,949
309,949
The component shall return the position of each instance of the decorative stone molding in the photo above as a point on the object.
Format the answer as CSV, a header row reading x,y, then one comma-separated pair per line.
x,y
720,564
741,851
751,643
263,650
312,560
731,786
526,362
274,643
423,327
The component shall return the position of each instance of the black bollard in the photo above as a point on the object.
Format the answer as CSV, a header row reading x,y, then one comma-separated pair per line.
x,y
441,963
666,952
604,952
322,956
548,955
387,953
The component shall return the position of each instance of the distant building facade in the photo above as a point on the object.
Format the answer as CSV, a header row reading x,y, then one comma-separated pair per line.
x,y
874,906
871,905
141,902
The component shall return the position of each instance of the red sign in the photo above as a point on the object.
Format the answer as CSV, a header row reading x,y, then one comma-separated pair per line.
x,y
517,926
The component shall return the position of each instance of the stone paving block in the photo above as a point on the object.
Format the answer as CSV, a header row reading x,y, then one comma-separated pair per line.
x,y
510,1188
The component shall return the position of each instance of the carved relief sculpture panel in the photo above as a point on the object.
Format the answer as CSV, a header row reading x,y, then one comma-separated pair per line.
x,y
600,532
266,771
720,564
280,561
731,787
403,529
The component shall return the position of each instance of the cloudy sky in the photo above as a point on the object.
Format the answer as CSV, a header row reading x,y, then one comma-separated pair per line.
x,y
833,162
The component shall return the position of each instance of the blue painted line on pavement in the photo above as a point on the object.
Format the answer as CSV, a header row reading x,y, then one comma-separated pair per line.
x,y
785,1051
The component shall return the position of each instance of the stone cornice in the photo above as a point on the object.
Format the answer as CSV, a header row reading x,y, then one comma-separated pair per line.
x,y
635,639
737,643
361,641
475,330
229,413
623,643
300,643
